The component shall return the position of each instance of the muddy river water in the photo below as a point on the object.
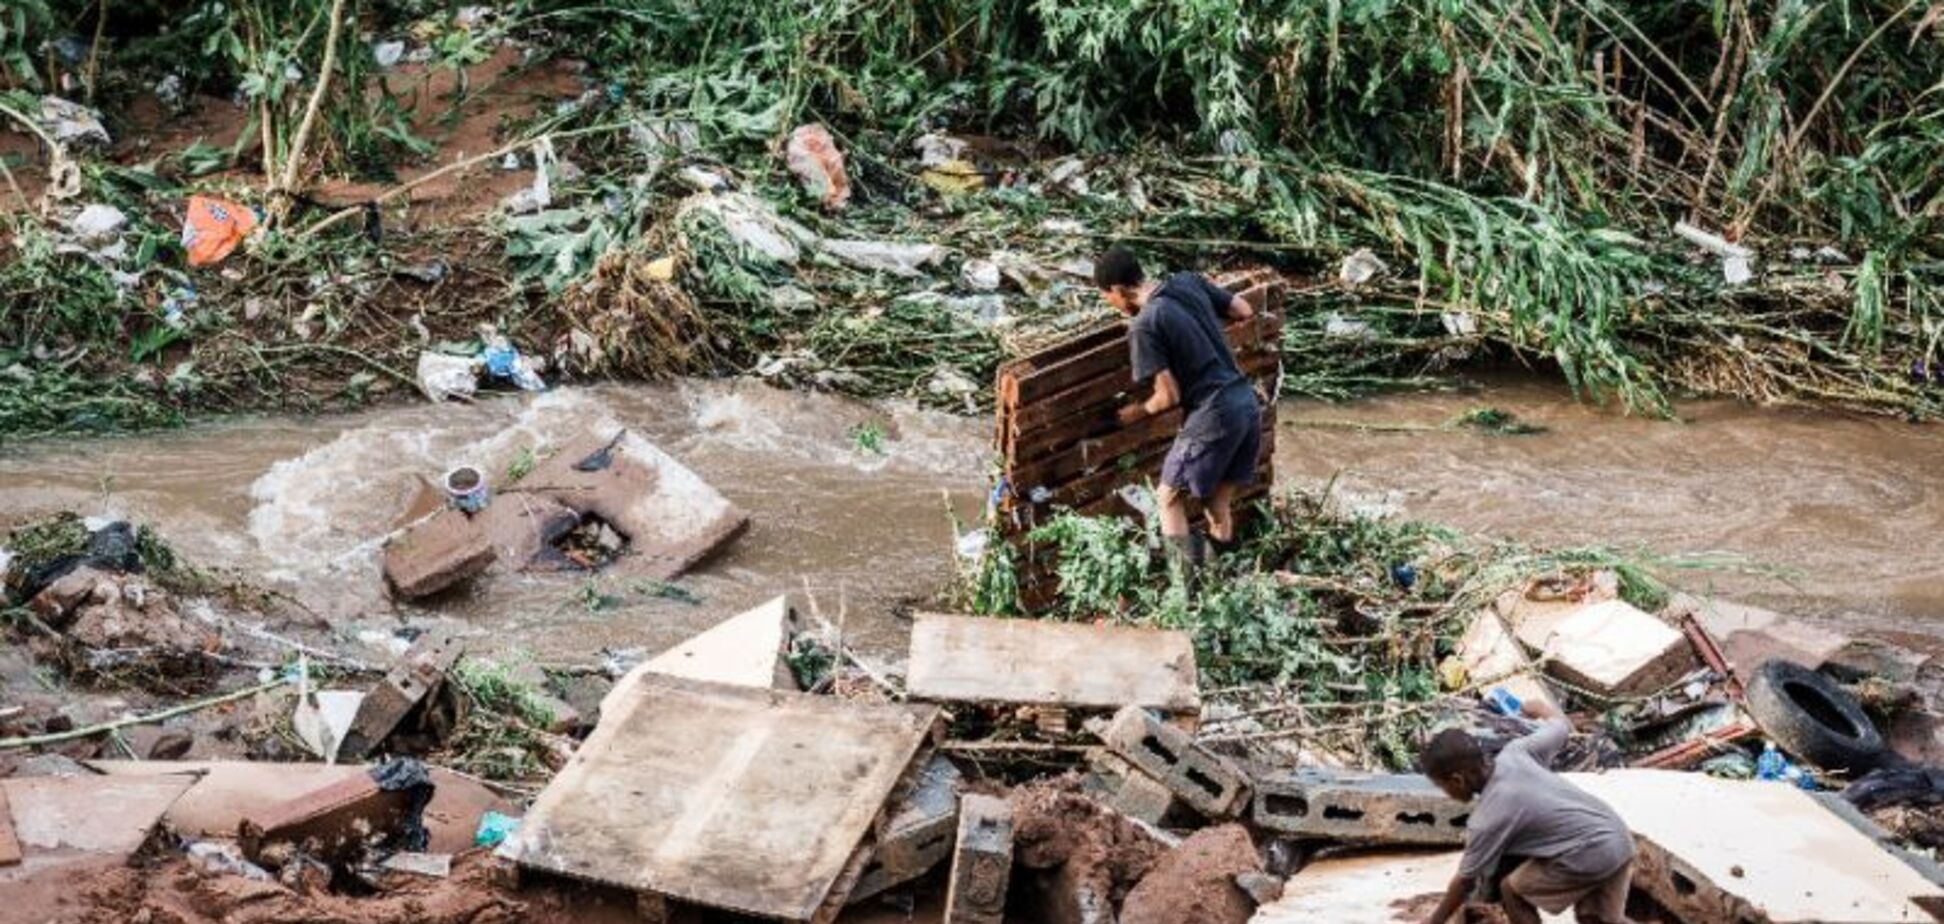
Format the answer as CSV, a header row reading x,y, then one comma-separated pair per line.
x,y
1851,508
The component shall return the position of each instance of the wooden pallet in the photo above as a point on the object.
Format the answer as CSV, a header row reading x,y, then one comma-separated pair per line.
x,y
1062,447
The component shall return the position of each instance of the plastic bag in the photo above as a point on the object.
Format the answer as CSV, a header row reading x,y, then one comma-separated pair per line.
x,y
213,227
813,156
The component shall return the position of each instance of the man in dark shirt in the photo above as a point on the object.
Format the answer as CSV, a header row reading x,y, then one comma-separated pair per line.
x,y
1178,342
1567,848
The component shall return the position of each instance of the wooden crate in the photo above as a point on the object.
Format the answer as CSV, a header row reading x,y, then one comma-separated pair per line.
x,y
1062,447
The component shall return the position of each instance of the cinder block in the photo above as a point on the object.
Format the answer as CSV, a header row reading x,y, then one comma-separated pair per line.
x,y
918,835
1124,788
417,674
1208,782
981,862
1609,648
1372,808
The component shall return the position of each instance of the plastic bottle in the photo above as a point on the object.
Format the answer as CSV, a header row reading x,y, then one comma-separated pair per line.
x,y
1502,701
1771,765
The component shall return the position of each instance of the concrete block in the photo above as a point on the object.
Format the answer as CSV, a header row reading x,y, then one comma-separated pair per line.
x,y
1610,648
919,834
1372,808
335,821
439,552
981,862
1124,788
410,681
1208,782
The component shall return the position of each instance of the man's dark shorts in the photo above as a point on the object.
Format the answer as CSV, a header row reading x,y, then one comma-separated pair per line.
x,y
1218,444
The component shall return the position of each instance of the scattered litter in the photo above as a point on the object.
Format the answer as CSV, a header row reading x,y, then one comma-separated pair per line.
x,y
212,228
1459,323
494,828
539,194
949,382
322,718
979,274
443,376
817,162
219,859
434,865
1070,174
753,224
953,178
1360,267
504,361
1064,226
97,224
898,259
466,489
71,123
1735,259
1341,328
937,148
387,54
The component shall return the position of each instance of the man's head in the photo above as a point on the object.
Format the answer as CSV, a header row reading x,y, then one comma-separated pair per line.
x,y
1118,274
1454,761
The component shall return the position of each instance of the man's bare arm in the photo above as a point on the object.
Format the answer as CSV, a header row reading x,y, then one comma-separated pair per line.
x,y
1239,309
1454,899
1167,394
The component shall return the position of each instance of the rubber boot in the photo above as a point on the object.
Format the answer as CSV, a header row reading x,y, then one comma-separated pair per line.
x,y
1185,554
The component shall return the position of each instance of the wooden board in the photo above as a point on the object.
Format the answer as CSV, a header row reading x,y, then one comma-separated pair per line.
x,y
1383,888
1755,851
89,814
1033,662
754,801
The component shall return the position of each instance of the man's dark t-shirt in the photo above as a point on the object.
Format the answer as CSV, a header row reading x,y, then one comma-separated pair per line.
x,y
1180,330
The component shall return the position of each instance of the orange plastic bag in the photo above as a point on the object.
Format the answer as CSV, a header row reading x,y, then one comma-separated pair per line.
x,y
213,228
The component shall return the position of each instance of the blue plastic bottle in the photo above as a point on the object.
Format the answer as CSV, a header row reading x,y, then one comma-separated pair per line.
x,y
1771,765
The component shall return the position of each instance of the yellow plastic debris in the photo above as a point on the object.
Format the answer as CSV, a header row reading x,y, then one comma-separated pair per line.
x,y
661,269
953,178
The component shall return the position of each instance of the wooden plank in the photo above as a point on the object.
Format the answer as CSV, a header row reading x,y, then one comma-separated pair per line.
x,y
1145,467
754,801
1065,349
1042,663
1243,336
1745,850
742,651
9,844
1089,454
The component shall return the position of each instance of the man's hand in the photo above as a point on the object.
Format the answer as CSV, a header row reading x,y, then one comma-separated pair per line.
x,y
1131,414
1538,709
1454,899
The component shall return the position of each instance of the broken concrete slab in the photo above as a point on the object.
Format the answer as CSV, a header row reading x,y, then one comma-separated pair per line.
x,y
1609,648
1195,882
225,792
1382,888
415,677
1756,852
1043,663
60,821
1750,635
981,862
522,527
754,801
671,518
744,650
1208,782
1488,652
1395,808
919,833
437,553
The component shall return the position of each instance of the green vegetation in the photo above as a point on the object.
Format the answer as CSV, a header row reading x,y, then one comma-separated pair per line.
x,y
1323,625
1518,166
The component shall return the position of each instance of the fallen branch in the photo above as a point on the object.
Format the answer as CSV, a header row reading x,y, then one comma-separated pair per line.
x,y
8,744
294,161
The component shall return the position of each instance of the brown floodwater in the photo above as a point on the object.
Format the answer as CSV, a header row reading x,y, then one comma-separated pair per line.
x,y
1850,507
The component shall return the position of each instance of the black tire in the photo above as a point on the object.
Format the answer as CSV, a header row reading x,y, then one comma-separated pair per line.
x,y
1811,717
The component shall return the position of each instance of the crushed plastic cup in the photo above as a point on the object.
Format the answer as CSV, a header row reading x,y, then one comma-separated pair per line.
x,y
494,828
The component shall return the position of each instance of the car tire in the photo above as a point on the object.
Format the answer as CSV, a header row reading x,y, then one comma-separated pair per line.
x,y
1811,717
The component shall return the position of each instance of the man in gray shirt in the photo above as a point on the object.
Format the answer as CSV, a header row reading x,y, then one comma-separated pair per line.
x,y
1571,849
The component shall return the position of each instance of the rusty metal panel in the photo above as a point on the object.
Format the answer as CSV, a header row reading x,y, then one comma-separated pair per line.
x,y
754,801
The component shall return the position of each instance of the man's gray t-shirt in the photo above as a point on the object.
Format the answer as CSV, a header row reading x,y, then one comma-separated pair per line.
x,y
1529,811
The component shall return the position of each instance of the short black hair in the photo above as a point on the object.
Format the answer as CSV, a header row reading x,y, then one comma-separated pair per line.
x,y
1448,753
1118,267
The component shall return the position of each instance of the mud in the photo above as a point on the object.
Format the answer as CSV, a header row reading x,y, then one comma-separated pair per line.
x,y
1195,882
1074,860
